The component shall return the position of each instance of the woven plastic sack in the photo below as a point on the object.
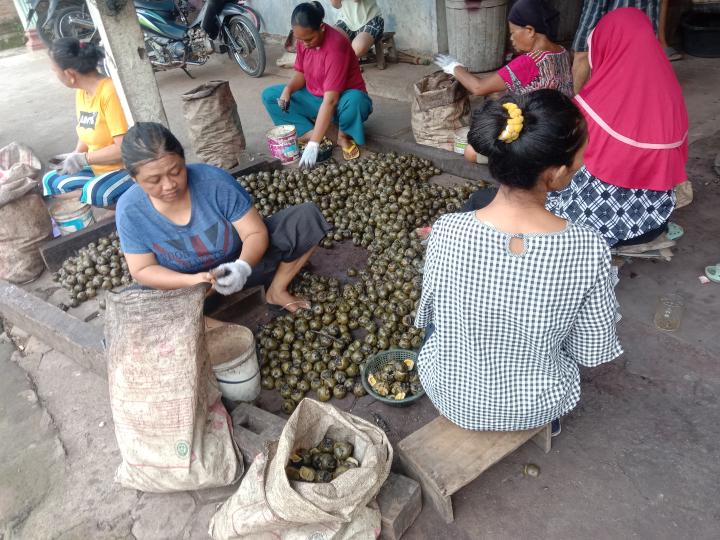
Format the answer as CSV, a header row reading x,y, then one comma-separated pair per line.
x,y
24,220
214,124
171,427
269,506
440,107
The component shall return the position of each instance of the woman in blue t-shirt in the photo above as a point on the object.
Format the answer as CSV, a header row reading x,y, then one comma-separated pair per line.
x,y
181,225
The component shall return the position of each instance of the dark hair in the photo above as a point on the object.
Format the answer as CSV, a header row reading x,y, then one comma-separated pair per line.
x,y
553,131
71,53
148,141
308,15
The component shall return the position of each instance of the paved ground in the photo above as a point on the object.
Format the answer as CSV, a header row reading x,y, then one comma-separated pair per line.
x,y
638,458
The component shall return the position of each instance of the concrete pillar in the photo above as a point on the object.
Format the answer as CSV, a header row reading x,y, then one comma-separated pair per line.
x,y
127,62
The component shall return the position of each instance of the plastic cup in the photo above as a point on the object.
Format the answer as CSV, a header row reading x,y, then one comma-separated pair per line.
x,y
669,312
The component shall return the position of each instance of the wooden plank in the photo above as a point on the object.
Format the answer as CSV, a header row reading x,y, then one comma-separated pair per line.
x,y
431,493
543,439
225,308
453,457
253,163
56,251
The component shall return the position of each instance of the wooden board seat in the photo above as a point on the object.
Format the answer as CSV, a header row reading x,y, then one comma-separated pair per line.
x,y
443,457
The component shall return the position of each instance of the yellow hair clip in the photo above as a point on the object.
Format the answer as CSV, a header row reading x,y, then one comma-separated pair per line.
x,y
514,124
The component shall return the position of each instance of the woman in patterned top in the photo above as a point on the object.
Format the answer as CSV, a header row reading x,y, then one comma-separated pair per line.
x,y
542,64
515,298
638,127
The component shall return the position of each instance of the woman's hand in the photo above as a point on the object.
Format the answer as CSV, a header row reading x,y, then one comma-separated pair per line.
x,y
74,162
309,155
447,63
201,277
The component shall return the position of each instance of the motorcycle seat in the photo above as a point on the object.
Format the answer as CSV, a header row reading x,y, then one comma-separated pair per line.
x,y
156,5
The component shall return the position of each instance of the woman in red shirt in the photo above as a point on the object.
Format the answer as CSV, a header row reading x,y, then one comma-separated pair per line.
x,y
327,91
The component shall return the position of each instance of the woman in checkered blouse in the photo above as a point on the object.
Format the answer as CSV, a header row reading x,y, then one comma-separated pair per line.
x,y
514,297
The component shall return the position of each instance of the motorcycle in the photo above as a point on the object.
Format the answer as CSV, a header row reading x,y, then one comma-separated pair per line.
x,y
47,12
221,26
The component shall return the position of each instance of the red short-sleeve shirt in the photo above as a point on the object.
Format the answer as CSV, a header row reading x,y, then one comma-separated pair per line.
x,y
331,67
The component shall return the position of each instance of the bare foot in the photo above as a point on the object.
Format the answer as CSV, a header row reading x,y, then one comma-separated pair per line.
x,y
286,300
343,140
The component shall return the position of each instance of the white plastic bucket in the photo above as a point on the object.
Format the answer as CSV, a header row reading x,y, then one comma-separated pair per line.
x,y
71,215
282,143
231,349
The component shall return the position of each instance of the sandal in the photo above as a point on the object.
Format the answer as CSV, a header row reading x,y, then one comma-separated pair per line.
x,y
713,272
277,309
351,152
674,231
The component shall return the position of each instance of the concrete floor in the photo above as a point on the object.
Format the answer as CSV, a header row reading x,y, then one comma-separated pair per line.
x,y
640,456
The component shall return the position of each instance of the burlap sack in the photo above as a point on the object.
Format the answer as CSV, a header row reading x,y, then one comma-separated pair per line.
x,y
172,430
214,124
440,107
267,505
24,220
683,194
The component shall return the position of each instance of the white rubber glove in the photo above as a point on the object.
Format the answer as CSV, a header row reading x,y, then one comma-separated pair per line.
x,y
73,163
231,277
310,155
447,63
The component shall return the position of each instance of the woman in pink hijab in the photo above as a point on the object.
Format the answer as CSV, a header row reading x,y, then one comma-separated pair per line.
x,y
637,125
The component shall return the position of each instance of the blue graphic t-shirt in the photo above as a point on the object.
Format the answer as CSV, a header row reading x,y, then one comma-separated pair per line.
x,y
209,239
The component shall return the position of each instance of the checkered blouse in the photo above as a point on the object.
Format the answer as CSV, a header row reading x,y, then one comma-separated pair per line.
x,y
510,330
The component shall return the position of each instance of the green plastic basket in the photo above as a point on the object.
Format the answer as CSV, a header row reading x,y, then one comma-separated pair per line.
x,y
376,363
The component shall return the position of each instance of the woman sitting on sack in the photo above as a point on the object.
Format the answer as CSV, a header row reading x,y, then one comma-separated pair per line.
x,y
94,165
542,64
362,23
514,297
181,225
327,91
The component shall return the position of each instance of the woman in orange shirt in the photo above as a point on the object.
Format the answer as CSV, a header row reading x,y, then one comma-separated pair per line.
x,y
94,166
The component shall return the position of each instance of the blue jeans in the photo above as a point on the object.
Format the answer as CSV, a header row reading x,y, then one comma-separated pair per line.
x,y
353,108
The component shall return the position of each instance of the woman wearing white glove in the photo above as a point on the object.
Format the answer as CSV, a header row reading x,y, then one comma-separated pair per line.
x,y
94,166
327,94
181,225
541,64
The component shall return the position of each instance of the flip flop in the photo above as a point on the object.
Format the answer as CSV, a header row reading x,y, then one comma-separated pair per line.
x,y
713,272
277,309
351,152
674,231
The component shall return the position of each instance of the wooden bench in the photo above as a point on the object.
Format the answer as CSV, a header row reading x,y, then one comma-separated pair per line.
x,y
444,458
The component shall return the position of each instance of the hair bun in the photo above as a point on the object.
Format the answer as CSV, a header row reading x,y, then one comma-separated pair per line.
x,y
319,7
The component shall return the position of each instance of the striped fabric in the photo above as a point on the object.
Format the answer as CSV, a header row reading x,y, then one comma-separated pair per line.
x,y
594,10
101,190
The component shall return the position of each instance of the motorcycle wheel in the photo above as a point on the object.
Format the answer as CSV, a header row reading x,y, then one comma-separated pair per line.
x,y
47,35
245,45
64,26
